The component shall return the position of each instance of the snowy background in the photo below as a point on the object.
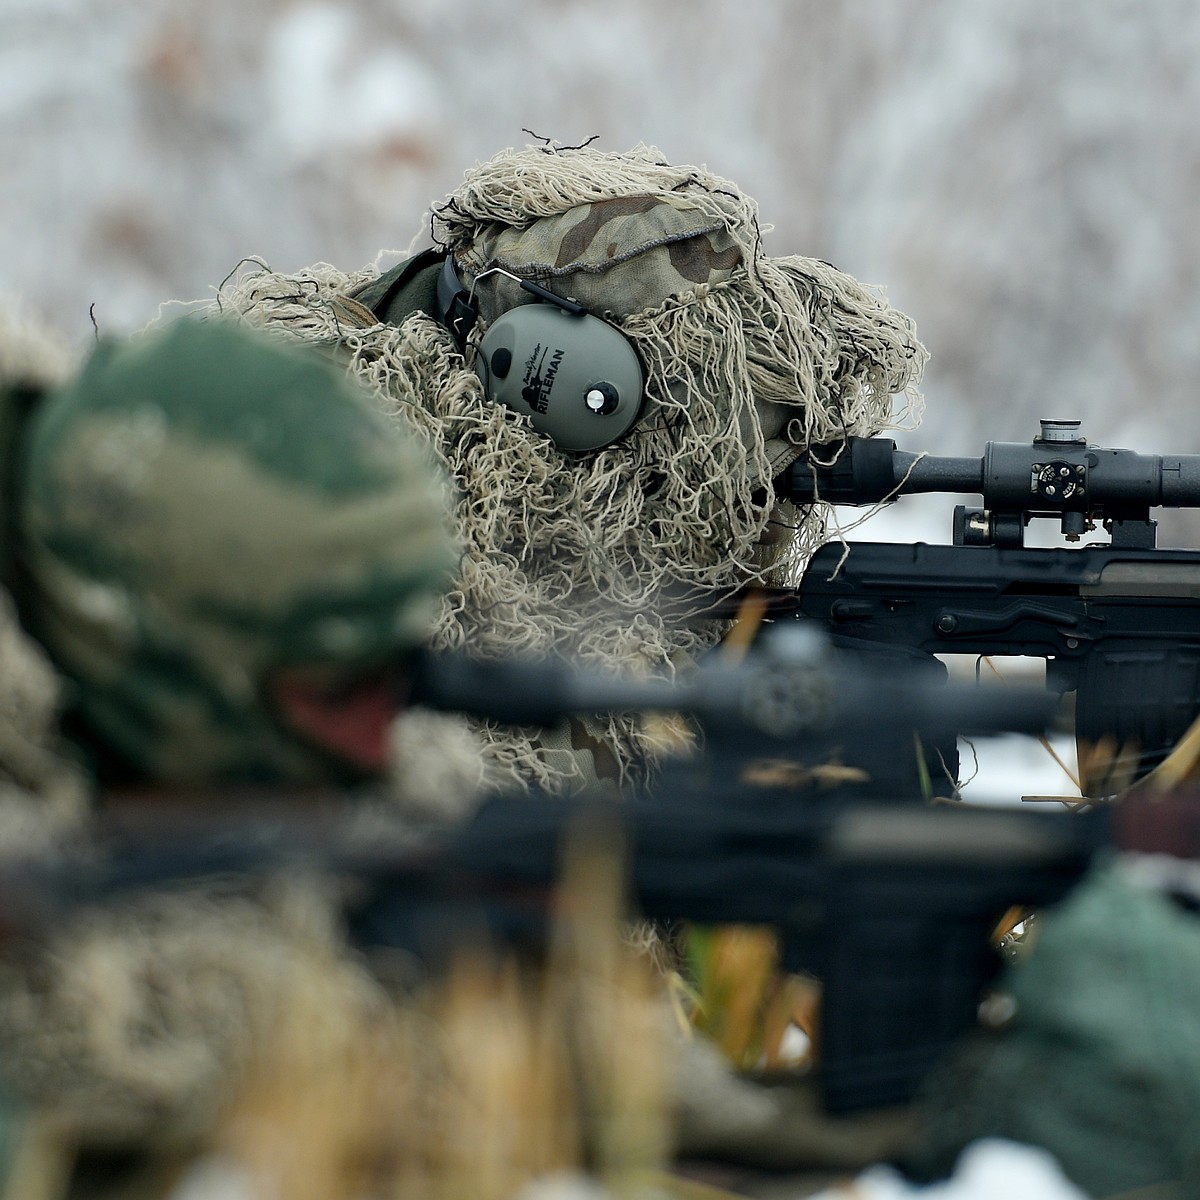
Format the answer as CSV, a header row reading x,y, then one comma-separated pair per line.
x,y
1020,175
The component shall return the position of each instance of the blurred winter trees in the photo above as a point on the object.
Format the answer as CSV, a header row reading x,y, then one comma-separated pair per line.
x,y
1019,174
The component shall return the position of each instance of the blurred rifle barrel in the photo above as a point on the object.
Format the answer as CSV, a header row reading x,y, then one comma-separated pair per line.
x,y
795,686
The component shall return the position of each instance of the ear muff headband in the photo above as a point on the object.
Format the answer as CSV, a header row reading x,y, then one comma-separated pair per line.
x,y
577,378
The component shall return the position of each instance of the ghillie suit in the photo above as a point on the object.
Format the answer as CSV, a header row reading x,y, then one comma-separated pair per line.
x,y
748,359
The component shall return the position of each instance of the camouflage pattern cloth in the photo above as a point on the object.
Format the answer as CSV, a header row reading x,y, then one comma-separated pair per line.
x,y
200,508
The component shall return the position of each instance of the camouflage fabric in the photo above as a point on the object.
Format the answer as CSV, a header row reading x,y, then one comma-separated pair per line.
x,y
200,507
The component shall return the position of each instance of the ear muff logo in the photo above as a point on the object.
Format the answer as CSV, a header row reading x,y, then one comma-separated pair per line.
x,y
576,377
539,377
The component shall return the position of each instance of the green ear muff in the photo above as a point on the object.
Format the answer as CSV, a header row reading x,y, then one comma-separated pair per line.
x,y
576,377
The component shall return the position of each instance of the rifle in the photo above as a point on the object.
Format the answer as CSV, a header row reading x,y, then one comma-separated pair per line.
x,y
795,701
890,904
1117,622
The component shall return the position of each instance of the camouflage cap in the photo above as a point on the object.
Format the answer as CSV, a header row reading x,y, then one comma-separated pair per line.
x,y
202,506
617,256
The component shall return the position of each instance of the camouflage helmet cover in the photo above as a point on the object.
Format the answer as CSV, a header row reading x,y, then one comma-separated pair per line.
x,y
202,506
617,256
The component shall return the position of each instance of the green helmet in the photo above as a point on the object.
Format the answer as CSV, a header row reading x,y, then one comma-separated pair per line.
x,y
201,509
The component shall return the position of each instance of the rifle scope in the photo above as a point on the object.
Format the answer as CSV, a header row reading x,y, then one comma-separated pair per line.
x,y
795,686
1059,474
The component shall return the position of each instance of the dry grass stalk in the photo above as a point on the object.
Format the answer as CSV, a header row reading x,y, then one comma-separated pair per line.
x,y
491,1100
499,1073
1015,916
744,1003
618,1019
311,1118
1105,769
40,1163
745,627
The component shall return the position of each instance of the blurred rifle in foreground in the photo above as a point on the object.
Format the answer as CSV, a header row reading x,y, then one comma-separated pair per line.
x,y
891,905
1118,623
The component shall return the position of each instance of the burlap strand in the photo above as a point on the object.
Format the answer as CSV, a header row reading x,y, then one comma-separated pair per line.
x,y
581,555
